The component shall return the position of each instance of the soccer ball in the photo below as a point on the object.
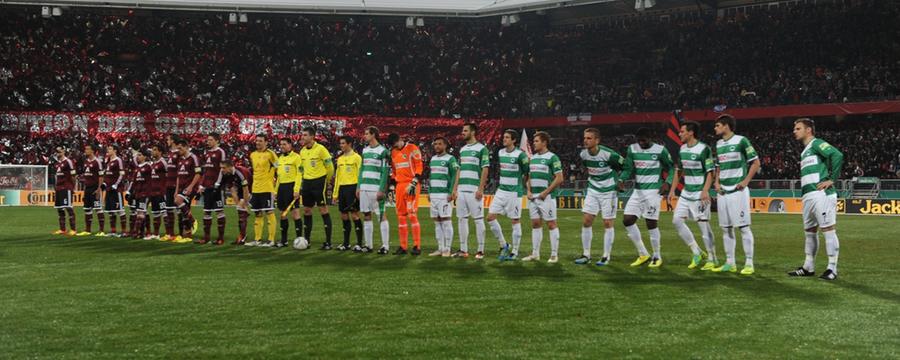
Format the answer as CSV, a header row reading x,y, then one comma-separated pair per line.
x,y
300,243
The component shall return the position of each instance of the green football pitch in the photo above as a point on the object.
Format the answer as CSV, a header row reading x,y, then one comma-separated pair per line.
x,y
86,297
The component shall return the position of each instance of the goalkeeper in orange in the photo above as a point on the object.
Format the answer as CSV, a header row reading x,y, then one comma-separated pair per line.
x,y
406,162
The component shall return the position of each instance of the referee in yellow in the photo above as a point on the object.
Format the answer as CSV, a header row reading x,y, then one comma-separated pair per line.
x,y
317,172
262,163
344,194
289,172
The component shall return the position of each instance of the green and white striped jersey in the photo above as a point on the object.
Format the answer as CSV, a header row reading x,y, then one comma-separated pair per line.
x,y
733,156
647,166
513,169
819,161
696,162
443,173
374,170
542,169
472,158
601,169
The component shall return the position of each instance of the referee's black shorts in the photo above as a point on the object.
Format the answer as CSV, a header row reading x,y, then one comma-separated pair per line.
x,y
347,200
313,192
285,196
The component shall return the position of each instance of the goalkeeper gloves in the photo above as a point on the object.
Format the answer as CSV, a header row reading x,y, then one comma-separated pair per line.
x,y
412,186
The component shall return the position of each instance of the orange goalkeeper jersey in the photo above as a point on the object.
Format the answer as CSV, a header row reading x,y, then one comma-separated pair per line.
x,y
407,163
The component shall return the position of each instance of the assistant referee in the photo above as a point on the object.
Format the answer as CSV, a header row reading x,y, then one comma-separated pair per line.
x,y
317,172
288,173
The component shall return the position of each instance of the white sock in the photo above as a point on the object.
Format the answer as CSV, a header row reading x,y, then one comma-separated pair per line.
x,y
812,247
479,234
635,235
654,242
554,242
447,225
385,234
497,231
367,232
517,237
708,240
587,235
832,247
686,235
747,240
537,235
729,243
439,234
464,234
609,235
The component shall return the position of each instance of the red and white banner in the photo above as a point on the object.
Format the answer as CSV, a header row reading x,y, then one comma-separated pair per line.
x,y
116,124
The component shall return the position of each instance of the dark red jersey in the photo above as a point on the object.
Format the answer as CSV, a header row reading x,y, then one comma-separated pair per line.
x,y
172,169
114,174
158,179
141,185
91,172
188,166
240,178
212,167
65,175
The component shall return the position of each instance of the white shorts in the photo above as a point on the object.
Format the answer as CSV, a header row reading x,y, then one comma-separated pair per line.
x,y
644,204
694,210
369,203
506,203
734,208
604,204
819,210
440,206
467,205
542,209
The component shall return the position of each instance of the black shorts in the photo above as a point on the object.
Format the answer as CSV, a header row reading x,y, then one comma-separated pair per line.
x,y
261,201
129,199
140,203
170,198
112,203
285,196
313,192
157,204
347,201
213,200
63,199
91,202
188,199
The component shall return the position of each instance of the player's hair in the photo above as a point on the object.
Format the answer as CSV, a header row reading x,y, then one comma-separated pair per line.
x,y
442,139
158,147
472,127
644,133
216,136
173,137
113,146
728,120
181,142
594,131
512,133
262,136
543,135
287,140
807,122
347,139
228,163
692,126
62,147
373,130
393,138
91,145
311,130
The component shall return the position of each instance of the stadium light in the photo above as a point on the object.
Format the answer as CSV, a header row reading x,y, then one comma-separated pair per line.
x,y
420,22
243,17
45,11
513,19
410,22
232,18
504,20
641,5
57,11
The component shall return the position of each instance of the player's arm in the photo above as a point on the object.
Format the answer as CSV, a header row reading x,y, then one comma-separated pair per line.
x,y
526,168
454,177
627,169
669,167
485,169
120,176
834,161
385,172
753,159
675,181
219,166
298,180
337,181
196,179
556,166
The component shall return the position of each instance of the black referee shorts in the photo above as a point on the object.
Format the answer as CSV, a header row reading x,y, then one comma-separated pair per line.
x,y
313,192
347,200
285,196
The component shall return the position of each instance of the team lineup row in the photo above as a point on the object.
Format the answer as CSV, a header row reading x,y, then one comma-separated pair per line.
x,y
161,184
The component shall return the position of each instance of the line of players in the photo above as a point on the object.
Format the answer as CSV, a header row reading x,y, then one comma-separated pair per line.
x,y
162,186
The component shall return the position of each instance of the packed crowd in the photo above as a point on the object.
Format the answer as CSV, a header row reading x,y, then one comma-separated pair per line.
x,y
288,64
871,147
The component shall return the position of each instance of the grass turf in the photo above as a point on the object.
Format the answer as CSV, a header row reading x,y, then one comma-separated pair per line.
x,y
92,297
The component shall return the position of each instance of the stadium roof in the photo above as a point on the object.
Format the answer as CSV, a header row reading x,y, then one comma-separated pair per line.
x,y
463,8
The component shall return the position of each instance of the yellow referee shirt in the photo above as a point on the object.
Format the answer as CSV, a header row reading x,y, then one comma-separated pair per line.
x,y
347,172
263,166
316,162
289,170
